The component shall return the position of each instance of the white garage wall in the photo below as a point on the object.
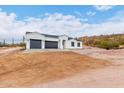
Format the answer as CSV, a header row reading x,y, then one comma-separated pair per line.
x,y
33,36
60,39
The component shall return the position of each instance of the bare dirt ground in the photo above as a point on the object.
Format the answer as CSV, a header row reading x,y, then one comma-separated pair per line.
x,y
110,76
89,67
6,51
115,55
20,69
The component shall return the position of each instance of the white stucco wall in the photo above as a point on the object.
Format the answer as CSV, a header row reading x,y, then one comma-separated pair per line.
x,y
33,36
27,42
43,44
60,40
75,44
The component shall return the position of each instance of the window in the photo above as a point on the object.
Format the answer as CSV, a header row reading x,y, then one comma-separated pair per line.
x,y
72,44
78,44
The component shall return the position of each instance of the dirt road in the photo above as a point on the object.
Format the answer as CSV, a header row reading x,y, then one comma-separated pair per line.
x,y
6,51
111,55
112,76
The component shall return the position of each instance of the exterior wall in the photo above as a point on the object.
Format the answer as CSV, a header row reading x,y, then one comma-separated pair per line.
x,y
33,36
60,41
39,37
27,44
61,38
43,44
50,39
75,44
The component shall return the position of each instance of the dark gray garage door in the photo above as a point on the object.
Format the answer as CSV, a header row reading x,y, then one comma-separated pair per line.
x,y
35,44
51,44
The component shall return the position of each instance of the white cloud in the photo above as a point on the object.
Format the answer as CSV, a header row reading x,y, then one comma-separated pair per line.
x,y
78,13
113,25
118,17
57,23
104,28
90,13
103,7
81,16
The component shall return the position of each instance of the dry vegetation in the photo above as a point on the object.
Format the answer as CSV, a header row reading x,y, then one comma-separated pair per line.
x,y
113,41
28,69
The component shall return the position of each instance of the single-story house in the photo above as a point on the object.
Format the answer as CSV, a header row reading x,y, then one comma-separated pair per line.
x,y
35,40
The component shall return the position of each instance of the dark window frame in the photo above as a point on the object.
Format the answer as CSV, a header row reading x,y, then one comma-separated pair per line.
x,y
72,44
78,44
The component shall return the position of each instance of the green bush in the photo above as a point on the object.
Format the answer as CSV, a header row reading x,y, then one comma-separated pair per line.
x,y
121,42
105,44
108,45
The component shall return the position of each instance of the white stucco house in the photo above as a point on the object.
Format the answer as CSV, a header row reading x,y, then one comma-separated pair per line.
x,y
35,40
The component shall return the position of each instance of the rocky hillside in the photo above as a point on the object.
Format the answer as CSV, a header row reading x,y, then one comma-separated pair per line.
x,y
113,41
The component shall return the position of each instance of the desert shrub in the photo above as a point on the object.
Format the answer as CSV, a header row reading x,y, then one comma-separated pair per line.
x,y
1,45
108,45
22,44
104,44
96,43
121,42
115,45
13,45
105,41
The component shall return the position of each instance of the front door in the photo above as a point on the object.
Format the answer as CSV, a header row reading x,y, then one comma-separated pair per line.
x,y
64,44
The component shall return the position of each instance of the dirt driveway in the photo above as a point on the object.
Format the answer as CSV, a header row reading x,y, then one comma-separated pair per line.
x,y
112,76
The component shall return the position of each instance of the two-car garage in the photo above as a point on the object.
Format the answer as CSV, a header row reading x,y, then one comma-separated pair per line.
x,y
37,44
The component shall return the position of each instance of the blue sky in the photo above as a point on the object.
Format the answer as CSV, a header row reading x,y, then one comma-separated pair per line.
x,y
23,11
36,10
73,20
